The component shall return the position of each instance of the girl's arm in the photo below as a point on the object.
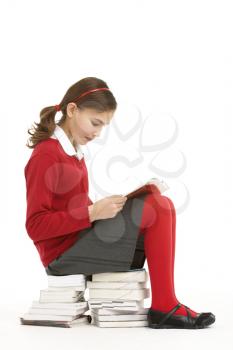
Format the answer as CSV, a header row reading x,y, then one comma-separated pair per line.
x,y
42,222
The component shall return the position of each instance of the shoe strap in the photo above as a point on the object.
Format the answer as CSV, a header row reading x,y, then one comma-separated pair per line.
x,y
190,320
169,314
188,314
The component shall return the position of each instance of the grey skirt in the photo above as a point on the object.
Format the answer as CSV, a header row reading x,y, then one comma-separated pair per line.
x,y
109,245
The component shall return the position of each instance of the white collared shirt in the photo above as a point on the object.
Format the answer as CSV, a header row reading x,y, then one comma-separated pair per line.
x,y
61,136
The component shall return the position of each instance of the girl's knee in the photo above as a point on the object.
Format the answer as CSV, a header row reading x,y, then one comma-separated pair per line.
x,y
153,206
170,202
159,201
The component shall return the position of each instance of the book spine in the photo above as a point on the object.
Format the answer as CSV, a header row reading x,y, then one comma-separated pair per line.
x,y
149,188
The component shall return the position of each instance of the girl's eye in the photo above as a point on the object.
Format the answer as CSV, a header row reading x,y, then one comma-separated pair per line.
x,y
95,124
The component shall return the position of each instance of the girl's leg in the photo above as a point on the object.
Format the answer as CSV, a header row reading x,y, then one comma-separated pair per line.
x,y
173,212
158,224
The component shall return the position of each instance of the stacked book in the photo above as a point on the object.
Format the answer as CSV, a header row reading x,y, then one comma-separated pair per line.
x,y
116,299
62,304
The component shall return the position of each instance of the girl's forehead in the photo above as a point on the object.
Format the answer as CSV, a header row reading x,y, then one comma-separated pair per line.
x,y
104,117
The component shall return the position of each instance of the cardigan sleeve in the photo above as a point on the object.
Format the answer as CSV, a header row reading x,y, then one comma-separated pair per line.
x,y
89,201
42,221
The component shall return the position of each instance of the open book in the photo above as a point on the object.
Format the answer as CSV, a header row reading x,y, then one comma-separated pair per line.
x,y
148,187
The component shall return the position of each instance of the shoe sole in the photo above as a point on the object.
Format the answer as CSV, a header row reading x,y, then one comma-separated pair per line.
x,y
205,324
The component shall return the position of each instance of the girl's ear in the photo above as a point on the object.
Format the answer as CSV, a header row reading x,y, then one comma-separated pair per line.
x,y
71,108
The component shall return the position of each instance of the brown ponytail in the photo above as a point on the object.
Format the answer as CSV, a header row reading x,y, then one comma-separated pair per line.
x,y
100,101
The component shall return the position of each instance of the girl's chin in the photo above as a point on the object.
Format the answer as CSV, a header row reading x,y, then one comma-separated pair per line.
x,y
83,140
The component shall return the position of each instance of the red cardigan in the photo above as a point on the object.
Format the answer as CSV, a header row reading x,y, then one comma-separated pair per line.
x,y
57,199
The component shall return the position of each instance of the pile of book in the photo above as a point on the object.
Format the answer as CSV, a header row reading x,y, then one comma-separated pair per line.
x,y
116,299
62,304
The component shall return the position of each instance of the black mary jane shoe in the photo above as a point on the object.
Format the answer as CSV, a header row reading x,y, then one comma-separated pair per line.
x,y
159,319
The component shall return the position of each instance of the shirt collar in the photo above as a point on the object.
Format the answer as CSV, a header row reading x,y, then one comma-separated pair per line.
x,y
61,136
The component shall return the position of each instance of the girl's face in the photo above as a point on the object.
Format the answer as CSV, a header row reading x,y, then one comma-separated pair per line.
x,y
84,125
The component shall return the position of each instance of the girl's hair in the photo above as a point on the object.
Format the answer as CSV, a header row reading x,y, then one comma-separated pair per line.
x,y
100,101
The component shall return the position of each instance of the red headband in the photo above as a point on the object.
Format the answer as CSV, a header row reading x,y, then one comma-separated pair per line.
x,y
58,107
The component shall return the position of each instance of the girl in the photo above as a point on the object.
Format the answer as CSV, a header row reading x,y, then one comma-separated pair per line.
x,y
72,234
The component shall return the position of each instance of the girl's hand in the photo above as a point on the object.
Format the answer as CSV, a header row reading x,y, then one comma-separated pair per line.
x,y
107,207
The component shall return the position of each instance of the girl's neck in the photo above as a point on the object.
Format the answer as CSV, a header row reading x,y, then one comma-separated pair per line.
x,y
69,135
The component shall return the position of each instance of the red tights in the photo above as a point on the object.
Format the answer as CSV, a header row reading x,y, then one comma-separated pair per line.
x,y
158,224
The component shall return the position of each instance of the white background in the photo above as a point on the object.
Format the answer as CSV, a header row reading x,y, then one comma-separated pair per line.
x,y
168,58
